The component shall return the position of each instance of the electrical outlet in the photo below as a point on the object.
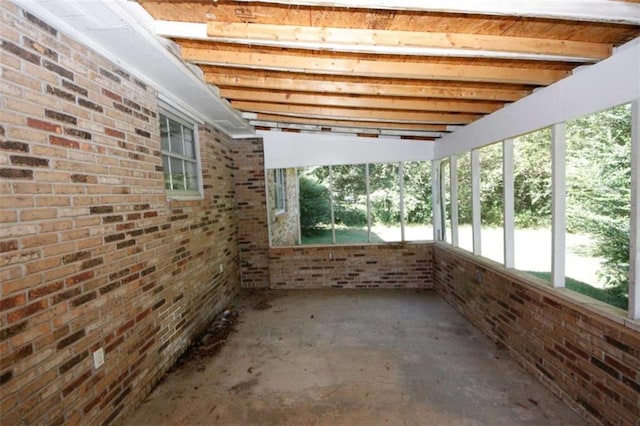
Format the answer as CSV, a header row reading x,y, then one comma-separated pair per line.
x,y
222,267
479,277
98,358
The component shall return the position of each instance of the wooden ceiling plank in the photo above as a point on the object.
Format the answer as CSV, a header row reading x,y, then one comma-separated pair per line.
x,y
579,10
386,41
416,104
373,68
355,113
427,90
350,123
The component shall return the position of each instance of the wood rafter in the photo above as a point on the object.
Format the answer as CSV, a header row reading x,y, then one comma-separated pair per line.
x,y
416,104
291,62
355,113
223,77
394,42
350,123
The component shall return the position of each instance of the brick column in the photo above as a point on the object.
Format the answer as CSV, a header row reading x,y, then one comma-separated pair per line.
x,y
253,232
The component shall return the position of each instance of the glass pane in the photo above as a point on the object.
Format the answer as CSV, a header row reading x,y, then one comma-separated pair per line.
x,y
532,203
189,145
164,133
177,174
350,205
465,234
598,205
315,205
446,198
191,176
385,201
175,130
417,201
492,202
167,172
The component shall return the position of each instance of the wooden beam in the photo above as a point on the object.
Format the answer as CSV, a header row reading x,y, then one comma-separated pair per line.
x,y
351,123
389,42
360,101
222,77
372,68
578,10
359,113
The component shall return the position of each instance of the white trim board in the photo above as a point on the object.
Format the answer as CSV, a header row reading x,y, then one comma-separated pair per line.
x,y
284,149
611,82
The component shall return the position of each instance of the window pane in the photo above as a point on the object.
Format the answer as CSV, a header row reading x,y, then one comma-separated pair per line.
x,y
417,201
350,204
598,205
177,174
191,177
315,205
465,235
164,133
175,135
189,146
385,201
445,171
532,203
491,202
167,172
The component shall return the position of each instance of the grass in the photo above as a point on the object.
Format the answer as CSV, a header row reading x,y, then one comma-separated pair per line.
x,y
588,290
343,236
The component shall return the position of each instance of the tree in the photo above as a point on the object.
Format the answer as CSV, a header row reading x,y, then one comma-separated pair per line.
x,y
599,188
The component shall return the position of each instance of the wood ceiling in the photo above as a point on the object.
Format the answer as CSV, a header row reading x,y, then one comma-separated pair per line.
x,y
409,74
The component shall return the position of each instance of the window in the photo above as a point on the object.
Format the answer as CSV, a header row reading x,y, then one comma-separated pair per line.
x,y
279,183
179,157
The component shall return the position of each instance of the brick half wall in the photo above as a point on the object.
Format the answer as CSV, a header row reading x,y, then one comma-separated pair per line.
x,y
590,359
358,266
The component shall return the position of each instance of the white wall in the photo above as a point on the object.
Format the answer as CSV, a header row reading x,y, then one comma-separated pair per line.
x,y
285,149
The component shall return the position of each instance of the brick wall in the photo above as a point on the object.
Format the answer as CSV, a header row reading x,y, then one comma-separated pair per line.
x,y
589,357
284,226
253,234
91,252
355,266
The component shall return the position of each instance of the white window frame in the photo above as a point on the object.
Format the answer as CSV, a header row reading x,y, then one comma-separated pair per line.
x,y
192,126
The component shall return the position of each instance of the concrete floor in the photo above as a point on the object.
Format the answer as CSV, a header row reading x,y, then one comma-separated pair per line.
x,y
352,358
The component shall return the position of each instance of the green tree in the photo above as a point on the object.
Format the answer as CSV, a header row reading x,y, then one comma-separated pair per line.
x,y
315,208
599,188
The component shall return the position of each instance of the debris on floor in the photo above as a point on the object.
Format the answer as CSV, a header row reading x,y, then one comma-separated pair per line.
x,y
211,340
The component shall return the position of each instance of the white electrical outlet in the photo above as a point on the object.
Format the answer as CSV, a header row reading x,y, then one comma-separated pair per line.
x,y
98,358
222,267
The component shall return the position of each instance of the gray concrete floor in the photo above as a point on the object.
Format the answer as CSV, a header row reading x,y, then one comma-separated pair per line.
x,y
352,358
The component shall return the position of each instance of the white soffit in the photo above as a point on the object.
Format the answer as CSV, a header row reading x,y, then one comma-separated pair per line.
x,y
123,32
611,82
284,149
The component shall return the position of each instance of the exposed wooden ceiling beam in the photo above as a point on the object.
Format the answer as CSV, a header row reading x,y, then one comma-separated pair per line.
x,y
579,10
372,68
389,42
355,113
314,128
351,123
223,77
416,104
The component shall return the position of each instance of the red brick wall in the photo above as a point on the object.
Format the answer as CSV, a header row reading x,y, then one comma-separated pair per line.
x,y
253,234
587,356
354,266
91,252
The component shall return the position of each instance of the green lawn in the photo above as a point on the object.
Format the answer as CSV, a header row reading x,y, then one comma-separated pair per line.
x,y
588,290
343,236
